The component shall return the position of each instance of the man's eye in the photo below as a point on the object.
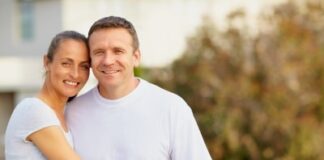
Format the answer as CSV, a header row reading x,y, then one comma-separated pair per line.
x,y
98,53
119,51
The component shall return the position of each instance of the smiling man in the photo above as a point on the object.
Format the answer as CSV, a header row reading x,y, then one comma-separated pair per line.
x,y
125,117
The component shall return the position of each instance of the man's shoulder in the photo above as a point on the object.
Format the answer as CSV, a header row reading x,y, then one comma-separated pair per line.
x,y
164,95
158,90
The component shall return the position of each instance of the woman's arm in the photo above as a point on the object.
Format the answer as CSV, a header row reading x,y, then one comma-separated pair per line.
x,y
53,144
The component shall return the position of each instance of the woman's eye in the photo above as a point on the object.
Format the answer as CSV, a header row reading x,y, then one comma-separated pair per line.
x,y
85,66
65,64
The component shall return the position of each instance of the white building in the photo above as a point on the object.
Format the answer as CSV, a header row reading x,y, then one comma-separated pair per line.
x,y
27,27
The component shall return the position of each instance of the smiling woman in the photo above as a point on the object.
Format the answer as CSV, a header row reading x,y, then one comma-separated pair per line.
x,y
37,128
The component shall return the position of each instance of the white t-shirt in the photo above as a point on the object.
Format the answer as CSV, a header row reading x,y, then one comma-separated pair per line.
x,y
148,124
30,115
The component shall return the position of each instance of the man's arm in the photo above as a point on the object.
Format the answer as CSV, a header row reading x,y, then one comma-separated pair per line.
x,y
187,142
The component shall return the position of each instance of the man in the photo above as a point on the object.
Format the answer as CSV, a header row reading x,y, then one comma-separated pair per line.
x,y
125,117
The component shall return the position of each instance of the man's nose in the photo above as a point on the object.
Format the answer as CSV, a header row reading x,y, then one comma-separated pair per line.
x,y
108,59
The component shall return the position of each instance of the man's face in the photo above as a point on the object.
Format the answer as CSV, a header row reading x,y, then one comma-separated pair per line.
x,y
113,57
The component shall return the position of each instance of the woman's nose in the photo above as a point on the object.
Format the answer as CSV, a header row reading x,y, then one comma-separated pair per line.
x,y
75,72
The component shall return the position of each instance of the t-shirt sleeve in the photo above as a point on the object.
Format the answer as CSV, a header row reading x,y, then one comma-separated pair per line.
x,y
187,141
33,116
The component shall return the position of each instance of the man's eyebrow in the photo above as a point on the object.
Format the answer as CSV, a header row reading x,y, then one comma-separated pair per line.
x,y
97,49
118,48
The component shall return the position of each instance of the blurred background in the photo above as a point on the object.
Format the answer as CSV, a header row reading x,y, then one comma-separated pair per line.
x,y
252,71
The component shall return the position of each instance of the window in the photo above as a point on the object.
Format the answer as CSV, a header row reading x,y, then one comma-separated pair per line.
x,y
26,19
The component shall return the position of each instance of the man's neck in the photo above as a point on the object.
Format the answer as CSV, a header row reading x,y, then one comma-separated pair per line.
x,y
119,91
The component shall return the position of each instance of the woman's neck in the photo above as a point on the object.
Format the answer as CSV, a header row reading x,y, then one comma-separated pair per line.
x,y
52,99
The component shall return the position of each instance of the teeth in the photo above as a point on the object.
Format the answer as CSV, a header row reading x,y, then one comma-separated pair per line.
x,y
71,83
110,71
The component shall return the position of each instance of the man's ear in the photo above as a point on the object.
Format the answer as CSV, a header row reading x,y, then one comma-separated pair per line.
x,y
46,62
137,57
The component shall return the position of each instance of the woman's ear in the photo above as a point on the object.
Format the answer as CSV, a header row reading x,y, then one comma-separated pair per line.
x,y
46,62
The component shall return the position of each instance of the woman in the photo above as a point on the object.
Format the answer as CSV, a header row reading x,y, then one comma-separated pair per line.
x,y
37,128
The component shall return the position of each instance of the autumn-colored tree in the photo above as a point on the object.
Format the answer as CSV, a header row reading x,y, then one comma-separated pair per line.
x,y
256,95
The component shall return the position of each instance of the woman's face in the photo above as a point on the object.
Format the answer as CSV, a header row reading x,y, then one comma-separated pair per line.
x,y
69,70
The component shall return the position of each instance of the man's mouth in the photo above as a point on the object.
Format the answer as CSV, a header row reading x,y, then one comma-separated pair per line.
x,y
109,71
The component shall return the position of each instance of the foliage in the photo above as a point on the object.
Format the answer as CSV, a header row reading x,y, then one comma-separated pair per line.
x,y
256,96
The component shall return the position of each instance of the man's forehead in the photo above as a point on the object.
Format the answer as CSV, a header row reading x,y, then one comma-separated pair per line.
x,y
112,37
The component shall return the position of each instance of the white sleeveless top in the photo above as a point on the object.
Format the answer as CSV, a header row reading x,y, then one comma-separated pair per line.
x,y
30,115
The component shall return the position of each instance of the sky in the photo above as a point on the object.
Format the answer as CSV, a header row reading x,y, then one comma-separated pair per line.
x,y
162,25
